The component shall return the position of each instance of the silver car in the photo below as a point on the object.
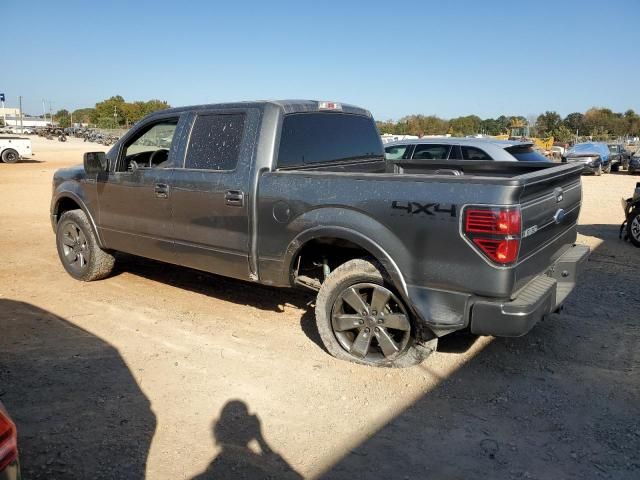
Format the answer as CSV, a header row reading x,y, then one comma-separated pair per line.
x,y
452,148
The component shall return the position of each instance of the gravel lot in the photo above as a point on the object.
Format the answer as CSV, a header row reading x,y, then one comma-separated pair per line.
x,y
171,373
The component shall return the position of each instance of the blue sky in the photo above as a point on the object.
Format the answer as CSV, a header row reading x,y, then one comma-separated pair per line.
x,y
394,58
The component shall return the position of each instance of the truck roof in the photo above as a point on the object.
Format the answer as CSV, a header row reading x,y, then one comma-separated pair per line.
x,y
287,106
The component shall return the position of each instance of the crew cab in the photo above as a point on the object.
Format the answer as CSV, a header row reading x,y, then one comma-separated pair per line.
x,y
298,193
13,149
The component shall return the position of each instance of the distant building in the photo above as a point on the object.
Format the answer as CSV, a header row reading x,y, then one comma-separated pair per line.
x,y
14,121
14,112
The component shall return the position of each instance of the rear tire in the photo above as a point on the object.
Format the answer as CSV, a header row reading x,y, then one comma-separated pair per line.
x,y
10,156
78,248
353,329
598,171
608,168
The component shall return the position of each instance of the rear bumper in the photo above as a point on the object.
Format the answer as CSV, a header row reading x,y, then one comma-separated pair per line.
x,y
540,297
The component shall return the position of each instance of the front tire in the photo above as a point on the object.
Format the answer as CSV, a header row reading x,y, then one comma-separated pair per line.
x,y
78,248
10,156
633,227
598,172
362,320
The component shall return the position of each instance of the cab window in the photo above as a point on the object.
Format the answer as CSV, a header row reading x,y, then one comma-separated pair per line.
x,y
150,149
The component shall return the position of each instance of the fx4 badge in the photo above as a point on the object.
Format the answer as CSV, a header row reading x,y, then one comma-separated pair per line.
x,y
415,208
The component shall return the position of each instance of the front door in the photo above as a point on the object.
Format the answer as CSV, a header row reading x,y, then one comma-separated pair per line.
x,y
134,198
210,197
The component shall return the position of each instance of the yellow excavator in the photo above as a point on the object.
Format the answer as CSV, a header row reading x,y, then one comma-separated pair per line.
x,y
518,131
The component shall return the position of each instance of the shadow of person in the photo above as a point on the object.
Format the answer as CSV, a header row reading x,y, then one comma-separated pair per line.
x,y
233,432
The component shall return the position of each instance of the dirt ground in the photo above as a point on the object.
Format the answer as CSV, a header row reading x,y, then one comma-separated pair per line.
x,y
169,373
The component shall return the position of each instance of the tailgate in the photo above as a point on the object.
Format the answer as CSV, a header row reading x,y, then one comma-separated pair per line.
x,y
550,203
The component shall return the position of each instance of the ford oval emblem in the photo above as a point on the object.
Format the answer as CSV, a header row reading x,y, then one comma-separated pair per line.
x,y
559,216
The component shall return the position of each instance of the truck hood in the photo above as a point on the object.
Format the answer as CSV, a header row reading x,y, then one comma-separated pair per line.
x,y
76,173
72,173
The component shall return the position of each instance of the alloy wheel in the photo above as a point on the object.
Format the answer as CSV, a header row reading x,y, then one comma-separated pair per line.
x,y
635,228
370,322
75,247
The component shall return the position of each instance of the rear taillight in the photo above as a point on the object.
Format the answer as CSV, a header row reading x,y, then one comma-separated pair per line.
x,y
8,441
495,231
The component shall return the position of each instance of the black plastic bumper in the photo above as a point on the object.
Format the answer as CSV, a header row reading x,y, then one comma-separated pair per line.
x,y
542,296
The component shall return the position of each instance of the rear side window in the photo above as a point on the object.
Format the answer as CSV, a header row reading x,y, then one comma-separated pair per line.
x,y
473,153
395,152
431,152
215,142
527,154
317,138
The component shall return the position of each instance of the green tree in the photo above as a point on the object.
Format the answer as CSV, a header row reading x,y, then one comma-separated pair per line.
x,y
465,125
83,115
62,118
574,122
562,134
112,108
547,122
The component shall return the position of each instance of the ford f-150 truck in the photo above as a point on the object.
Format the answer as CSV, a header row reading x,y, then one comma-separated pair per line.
x,y
298,193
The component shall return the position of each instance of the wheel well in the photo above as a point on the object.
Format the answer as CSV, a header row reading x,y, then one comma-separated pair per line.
x,y
320,256
64,205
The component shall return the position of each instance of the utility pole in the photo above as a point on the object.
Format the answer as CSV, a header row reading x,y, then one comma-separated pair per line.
x,y
44,112
20,106
50,113
4,113
115,117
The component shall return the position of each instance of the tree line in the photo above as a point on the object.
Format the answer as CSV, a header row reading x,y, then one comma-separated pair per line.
x,y
599,123
114,112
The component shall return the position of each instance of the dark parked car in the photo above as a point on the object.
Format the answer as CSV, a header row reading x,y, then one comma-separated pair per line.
x,y
594,156
619,156
463,149
634,163
298,193
9,467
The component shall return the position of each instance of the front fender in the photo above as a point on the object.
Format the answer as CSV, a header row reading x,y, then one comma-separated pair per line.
x,y
71,191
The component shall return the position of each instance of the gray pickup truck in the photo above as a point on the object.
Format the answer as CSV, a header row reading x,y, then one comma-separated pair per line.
x,y
298,193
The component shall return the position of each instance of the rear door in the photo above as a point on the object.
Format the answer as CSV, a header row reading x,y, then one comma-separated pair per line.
x,y
211,190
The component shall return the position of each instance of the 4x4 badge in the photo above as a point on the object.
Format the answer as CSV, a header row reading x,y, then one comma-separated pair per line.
x,y
426,208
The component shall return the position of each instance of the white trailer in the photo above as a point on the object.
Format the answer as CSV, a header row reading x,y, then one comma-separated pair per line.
x,y
13,149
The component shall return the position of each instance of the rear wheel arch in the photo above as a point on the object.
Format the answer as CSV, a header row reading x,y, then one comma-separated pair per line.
x,y
351,245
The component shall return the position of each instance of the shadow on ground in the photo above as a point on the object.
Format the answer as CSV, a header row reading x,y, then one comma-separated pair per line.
x,y
78,409
233,432
215,286
561,402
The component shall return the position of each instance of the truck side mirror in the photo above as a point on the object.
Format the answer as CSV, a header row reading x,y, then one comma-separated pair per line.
x,y
95,163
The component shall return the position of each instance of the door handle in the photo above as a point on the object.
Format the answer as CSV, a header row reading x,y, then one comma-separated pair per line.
x,y
161,190
234,198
